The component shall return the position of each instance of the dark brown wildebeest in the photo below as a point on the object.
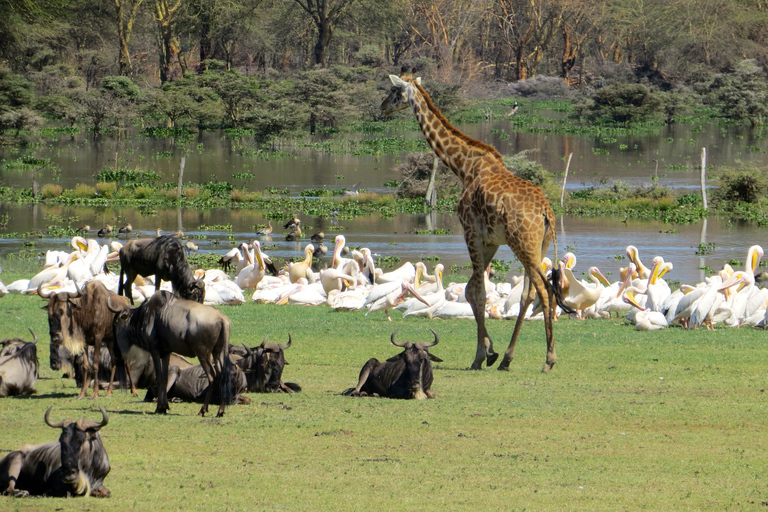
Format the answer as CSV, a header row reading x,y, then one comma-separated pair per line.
x,y
406,375
75,465
164,324
19,367
164,258
76,320
190,385
263,367
61,359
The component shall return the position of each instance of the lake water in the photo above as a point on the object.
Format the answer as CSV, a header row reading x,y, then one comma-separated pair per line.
x,y
672,155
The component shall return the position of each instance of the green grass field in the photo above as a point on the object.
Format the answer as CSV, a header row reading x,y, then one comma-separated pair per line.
x,y
627,420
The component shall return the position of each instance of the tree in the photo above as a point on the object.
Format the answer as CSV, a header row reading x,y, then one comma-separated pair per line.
x,y
126,12
742,94
326,15
166,16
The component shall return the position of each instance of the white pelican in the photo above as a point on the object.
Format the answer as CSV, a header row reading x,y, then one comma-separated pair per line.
x,y
51,275
337,261
406,272
389,295
350,300
332,279
369,266
634,256
250,276
232,257
304,295
582,295
302,268
643,318
223,292
436,299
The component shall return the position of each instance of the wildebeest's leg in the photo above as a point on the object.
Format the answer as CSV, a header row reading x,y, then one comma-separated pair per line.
x,y
96,355
86,370
364,374
161,370
11,469
210,373
481,257
127,365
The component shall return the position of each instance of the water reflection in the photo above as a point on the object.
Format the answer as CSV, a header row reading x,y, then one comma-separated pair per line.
x,y
596,242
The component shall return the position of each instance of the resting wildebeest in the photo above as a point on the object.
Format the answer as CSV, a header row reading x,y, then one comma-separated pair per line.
x,y
18,366
62,360
190,385
164,324
162,257
75,465
263,367
78,319
406,375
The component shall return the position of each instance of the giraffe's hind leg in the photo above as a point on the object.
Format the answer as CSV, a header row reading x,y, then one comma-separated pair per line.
x,y
475,292
525,303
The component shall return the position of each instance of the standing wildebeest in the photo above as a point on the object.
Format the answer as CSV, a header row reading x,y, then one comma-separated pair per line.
x,y
406,375
263,367
79,319
18,366
164,324
76,465
162,257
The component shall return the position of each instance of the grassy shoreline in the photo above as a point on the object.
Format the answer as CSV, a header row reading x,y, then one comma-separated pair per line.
x,y
631,420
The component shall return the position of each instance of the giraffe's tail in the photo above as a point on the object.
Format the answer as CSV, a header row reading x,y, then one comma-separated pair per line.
x,y
556,276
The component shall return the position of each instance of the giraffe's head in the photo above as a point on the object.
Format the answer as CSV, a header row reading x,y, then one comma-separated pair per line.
x,y
397,99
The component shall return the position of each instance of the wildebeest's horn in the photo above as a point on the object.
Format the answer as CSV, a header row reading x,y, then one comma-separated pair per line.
x,y
62,423
33,335
92,425
264,341
283,347
404,344
111,307
434,342
43,294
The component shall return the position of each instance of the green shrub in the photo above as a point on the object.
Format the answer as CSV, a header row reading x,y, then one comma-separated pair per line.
x,y
51,190
620,103
106,188
141,192
84,191
747,184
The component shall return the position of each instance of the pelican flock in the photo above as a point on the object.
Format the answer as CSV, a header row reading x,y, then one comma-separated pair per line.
x,y
352,282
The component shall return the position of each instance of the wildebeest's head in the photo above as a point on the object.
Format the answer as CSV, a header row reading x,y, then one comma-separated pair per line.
x,y
77,440
61,359
418,369
263,366
59,310
195,291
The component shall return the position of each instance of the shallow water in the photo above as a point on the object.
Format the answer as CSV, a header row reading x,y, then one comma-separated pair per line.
x,y
598,242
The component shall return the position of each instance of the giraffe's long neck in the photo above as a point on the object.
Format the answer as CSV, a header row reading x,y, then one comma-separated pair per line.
x,y
453,147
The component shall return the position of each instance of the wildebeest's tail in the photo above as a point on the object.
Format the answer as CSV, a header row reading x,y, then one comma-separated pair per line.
x,y
227,380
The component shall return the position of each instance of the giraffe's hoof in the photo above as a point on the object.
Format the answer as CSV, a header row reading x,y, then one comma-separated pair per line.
x,y
491,358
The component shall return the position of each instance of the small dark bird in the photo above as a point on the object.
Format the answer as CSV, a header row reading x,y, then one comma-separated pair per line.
x,y
84,229
295,221
514,110
295,234
126,229
191,247
179,234
319,249
106,230
317,237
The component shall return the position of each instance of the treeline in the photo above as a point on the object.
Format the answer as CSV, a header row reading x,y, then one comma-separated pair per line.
x,y
264,63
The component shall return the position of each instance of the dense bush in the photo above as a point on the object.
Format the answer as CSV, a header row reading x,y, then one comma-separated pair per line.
x,y
416,169
742,94
747,184
542,88
619,103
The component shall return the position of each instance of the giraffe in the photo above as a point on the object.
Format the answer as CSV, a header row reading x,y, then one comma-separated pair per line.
x,y
495,207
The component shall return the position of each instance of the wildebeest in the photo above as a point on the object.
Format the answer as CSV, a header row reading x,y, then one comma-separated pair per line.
x,y
164,324
263,367
162,257
78,319
406,375
190,385
75,465
61,359
19,367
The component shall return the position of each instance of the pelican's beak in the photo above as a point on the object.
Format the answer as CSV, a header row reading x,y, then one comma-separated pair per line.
x,y
629,298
